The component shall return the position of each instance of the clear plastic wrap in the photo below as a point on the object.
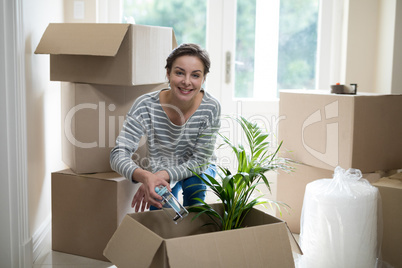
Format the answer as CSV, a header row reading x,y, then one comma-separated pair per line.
x,y
341,222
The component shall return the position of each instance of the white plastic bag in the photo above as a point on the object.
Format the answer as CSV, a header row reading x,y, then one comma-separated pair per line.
x,y
340,222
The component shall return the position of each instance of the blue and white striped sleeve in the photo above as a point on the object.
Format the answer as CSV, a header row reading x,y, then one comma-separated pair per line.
x,y
126,144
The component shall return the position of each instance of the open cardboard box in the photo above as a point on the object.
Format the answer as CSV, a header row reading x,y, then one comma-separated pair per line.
x,y
326,130
151,239
107,53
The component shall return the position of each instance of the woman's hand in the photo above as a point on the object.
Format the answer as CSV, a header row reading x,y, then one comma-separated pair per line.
x,y
146,195
139,201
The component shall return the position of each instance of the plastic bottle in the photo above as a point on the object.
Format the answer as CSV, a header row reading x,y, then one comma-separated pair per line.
x,y
171,205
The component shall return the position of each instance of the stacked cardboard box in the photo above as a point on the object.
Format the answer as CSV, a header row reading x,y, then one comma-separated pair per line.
x,y
390,188
322,130
87,209
104,68
92,117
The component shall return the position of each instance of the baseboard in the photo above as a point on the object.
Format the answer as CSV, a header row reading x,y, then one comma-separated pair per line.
x,y
41,238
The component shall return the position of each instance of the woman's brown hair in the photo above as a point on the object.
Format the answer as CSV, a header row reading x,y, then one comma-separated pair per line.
x,y
191,50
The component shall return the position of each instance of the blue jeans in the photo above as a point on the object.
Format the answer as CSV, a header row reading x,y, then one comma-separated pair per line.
x,y
188,192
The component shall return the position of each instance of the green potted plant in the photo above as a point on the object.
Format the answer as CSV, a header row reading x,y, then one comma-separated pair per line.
x,y
236,191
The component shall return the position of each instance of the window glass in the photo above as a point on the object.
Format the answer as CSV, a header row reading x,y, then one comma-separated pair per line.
x,y
295,51
245,44
297,46
187,18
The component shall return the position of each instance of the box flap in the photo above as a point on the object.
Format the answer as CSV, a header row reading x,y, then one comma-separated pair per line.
x,y
293,242
104,175
132,245
101,175
387,182
94,39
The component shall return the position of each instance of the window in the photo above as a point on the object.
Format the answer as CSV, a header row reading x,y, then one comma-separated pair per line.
x,y
272,45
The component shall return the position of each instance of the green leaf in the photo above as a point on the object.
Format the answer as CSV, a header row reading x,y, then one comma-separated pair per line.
x,y
236,191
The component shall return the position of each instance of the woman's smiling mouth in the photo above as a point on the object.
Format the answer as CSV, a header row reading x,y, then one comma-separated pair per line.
x,y
185,91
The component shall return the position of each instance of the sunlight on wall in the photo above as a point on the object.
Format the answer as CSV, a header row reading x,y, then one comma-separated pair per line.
x,y
43,112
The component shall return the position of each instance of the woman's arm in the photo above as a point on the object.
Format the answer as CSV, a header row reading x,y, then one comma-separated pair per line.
x,y
126,144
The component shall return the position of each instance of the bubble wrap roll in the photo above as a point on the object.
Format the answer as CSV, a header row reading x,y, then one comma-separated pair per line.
x,y
339,224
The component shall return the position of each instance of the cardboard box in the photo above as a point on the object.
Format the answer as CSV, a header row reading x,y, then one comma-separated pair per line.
x,y
326,130
291,188
107,53
391,197
151,239
92,117
86,211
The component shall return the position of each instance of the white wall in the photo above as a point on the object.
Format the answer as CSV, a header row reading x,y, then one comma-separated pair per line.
x,y
361,48
43,106
385,52
43,116
373,38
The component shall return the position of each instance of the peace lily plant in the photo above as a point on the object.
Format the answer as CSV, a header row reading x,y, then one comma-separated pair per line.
x,y
236,192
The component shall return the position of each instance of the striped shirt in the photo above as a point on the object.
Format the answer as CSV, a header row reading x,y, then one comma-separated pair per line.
x,y
175,149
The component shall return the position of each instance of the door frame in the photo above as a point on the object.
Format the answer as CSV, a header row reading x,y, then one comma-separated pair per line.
x,y
16,246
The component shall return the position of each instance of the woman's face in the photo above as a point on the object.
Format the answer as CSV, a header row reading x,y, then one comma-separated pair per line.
x,y
186,77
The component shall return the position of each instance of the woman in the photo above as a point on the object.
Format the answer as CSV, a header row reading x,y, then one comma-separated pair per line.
x,y
180,124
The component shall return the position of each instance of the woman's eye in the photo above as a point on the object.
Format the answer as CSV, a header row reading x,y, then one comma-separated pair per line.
x,y
179,73
196,75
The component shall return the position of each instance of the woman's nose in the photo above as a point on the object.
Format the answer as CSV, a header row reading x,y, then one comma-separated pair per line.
x,y
186,80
